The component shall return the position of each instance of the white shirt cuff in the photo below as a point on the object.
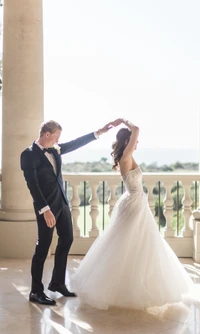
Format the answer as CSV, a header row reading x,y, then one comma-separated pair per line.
x,y
44,209
96,135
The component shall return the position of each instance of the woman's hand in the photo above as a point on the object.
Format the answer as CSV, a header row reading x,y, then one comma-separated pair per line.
x,y
117,122
110,125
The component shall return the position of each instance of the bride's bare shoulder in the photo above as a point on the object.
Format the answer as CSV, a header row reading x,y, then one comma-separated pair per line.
x,y
126,166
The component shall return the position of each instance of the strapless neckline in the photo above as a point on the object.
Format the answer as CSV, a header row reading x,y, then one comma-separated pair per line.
x,y
129,171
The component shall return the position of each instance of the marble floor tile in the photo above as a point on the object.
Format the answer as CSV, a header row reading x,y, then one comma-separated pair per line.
x,y
19,316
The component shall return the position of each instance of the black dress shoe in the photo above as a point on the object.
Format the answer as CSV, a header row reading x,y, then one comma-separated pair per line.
x,y
62,289
41,298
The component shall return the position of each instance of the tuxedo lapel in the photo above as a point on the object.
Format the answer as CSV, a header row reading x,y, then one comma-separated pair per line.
x,y
37,149
41,154
58,161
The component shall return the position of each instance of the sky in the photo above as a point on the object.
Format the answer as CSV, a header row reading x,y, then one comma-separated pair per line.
x,y
138,60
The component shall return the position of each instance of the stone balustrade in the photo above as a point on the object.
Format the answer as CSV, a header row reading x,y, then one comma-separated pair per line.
x,y
182,240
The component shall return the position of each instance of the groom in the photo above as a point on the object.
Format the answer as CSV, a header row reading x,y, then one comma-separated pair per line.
x,y
41,165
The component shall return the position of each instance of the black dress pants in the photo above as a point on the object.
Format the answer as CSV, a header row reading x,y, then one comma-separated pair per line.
x,y
65,238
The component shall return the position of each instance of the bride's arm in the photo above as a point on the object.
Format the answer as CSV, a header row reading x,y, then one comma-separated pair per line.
x,y
130,125
128,151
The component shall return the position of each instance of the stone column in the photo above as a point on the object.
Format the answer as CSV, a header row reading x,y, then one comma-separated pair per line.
x,y
195,219
22,113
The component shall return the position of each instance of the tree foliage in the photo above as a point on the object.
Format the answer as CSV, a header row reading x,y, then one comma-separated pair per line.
x,y
103,166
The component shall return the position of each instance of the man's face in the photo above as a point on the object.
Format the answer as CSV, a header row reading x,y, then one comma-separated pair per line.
x,y
52,138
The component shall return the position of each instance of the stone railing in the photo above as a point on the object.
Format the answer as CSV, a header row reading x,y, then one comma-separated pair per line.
x,y
171,196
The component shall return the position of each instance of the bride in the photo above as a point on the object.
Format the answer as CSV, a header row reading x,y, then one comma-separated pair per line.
x,y
130,265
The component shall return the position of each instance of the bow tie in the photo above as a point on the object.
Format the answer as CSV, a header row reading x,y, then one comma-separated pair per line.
x,y
49,150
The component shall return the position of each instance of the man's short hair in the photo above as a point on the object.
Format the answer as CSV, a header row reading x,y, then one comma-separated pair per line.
x,y
50,126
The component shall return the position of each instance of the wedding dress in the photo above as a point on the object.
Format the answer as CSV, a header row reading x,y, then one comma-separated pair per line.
x,y
131,265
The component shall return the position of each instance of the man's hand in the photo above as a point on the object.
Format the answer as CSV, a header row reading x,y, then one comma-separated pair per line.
x,y
49,218
110,125
105,129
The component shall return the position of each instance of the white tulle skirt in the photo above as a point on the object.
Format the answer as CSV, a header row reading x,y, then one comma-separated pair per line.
x,y
130,265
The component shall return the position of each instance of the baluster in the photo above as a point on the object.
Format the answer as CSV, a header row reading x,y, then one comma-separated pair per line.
x,y
75,211
151,199
112,198
168,212
187,210
94,211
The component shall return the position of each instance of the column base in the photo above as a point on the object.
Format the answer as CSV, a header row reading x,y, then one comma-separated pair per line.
x,y
17,239
196,242
17,215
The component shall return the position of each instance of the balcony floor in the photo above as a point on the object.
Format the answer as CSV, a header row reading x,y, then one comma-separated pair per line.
x,y
19,316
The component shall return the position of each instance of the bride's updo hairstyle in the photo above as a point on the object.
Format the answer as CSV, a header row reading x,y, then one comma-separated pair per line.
x,y
122,139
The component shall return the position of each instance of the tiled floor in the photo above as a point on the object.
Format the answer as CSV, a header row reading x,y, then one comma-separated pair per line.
x,y
19,316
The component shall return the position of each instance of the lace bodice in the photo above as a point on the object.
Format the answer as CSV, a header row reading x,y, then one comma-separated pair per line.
x,y
133,180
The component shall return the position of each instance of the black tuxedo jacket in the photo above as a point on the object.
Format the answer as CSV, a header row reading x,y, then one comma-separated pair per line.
x,y
45,186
